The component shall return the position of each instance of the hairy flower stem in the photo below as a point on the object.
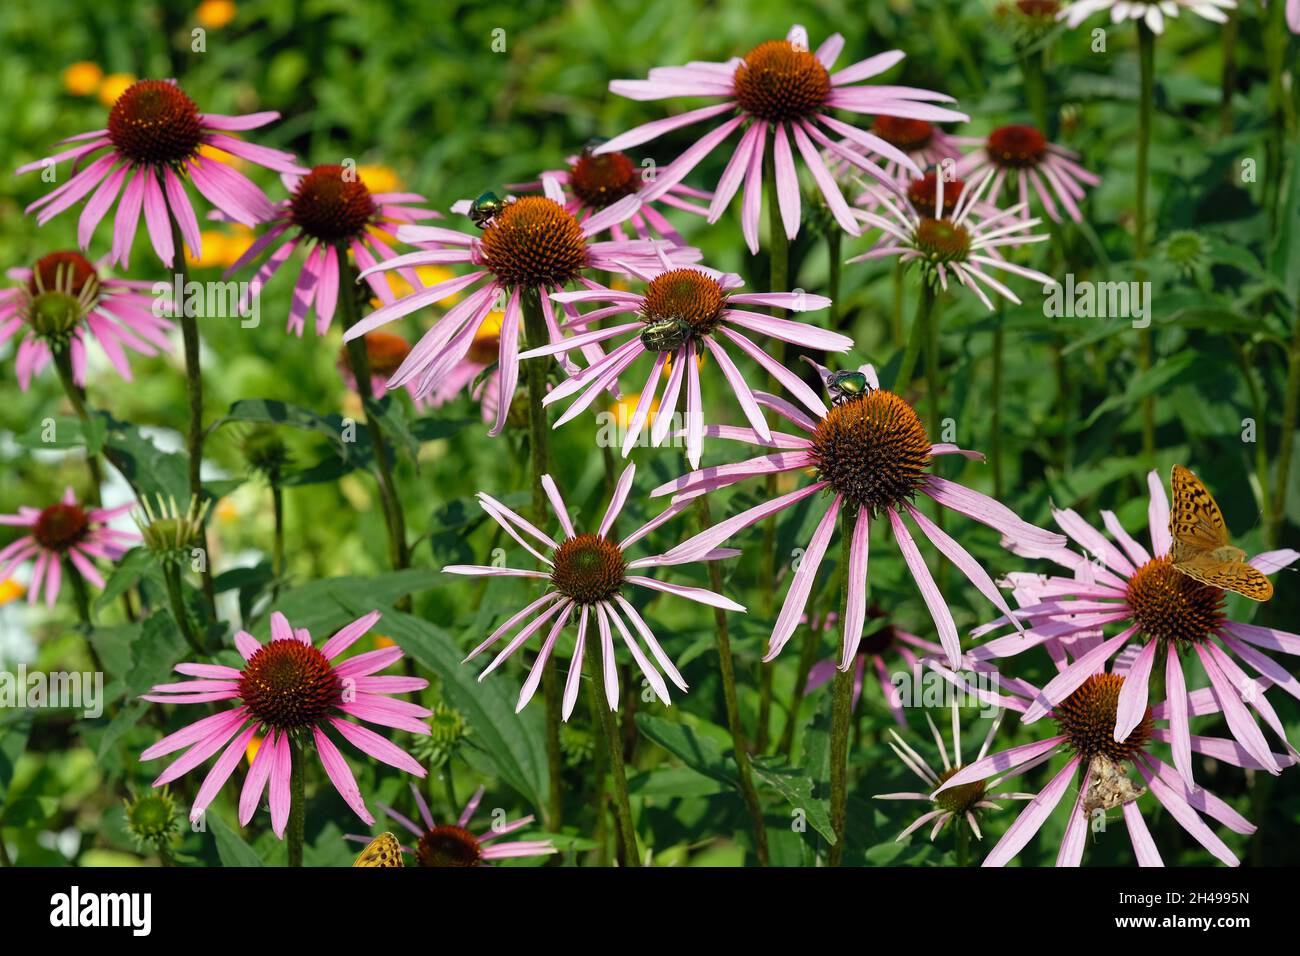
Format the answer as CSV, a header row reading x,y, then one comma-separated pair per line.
x,y
175,597
1282,112
195,432
727,669
539,440
1290,406
920,328
614,748
896,317
995,414
359,359
277,544
296,834
961,841
82,600
1146,100
807,657
841,716
1033,69
63,363
778,281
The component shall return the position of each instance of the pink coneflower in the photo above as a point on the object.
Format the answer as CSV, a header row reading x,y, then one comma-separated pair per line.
x,y
63,530
1157,609
154,136
453,844
62,297
1154,13
959,242
1019,157
925,144
1293,15
587,573
331,209
869,453
471,374
872,650
533,246
961,806
595,181
778,85
1098,770
288,688
684,314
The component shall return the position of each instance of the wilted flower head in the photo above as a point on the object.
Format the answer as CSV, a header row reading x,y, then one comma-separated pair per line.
x,y
1018,157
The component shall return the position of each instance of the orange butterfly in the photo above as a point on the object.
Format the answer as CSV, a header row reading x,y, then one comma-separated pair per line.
x,y
1201,548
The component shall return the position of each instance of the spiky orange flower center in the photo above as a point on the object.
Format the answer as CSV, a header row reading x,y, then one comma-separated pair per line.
x,y
534,242
872,449
332,204
924,193
942,240
908,135
1016,146
778,82
61,526
959,800
1171,607
686,294
448,845
603,180
155,123
588,568
1087,719
289,685
385,351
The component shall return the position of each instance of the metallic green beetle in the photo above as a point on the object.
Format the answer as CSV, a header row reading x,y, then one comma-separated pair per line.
x,y
665,335
845,385
487,207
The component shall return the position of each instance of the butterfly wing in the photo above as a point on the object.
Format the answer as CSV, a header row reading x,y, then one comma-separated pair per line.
x,y
1195,521
1235,576
383,850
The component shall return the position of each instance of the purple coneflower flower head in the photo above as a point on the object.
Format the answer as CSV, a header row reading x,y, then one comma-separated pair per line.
x,y
869,454
1159,611
960,242
60,299
595,181
59,531
586,575
1154,13
1019,157
1098,769
385,351
290,693
962,805
880,639
153,140
683,315
454,844
331,210
924,143
782,89
532,246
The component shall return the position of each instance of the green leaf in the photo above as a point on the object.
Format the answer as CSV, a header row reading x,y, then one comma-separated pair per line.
x,y
62,433
148,469
797,789
133,565
326,605
231,848
1159,376
698,753
515,742
1285,259
15,726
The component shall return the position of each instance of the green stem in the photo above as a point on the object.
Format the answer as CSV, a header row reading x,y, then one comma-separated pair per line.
x,y
359,359
1282,112
449,785
834,242
920,328
5,859
614,748
896,318
539,440
841,716
277,547
1228,85
1260,412
195,433
961,838
1033,67
1146,101
807,657
295,837
172,579
727,669
82,600
63,363
995,415
1286,446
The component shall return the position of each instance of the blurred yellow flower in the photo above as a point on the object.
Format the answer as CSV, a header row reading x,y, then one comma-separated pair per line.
x,y
10,590
381,642
254,744
226,511
379,179
700,358
221,249
215,14
221,156
626,406
429,275
113,86
82,79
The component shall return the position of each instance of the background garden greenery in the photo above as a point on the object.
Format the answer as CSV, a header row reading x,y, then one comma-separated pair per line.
x,y
415,94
